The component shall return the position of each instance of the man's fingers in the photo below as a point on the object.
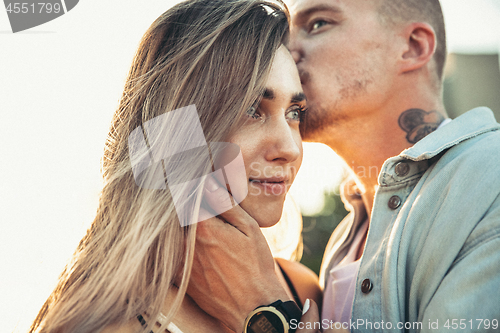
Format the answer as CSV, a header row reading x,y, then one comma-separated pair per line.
x,y
216,196
222,203
309,323
213,230
204,215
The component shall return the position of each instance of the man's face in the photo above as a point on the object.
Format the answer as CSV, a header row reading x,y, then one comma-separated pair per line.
x,y
343,54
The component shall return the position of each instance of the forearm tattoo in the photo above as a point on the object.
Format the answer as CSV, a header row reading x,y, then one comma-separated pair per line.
x,y
417,123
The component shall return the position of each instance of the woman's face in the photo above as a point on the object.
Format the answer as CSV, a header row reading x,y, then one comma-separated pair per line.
x,y
270,141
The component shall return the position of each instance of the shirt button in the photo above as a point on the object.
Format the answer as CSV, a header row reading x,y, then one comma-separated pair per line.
x,y
394,202
402,169
366,286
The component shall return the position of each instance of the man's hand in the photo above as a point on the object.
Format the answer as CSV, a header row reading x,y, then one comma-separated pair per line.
x,y
233,269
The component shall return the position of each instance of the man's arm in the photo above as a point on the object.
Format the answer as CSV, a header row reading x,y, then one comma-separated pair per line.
x,y
233,270
468,297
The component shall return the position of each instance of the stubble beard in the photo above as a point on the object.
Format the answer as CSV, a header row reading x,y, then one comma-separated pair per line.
x,y
317,118
315,124
319,121
321,118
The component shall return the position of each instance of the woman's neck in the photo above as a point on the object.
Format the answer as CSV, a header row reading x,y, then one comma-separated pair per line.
x,y
191,318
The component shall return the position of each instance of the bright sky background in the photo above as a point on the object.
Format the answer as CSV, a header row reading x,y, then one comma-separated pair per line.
x,y
59,85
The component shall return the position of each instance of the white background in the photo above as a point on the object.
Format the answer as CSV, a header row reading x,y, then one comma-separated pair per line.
x,y
59,86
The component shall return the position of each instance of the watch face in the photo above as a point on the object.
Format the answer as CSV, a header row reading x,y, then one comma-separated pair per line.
x,y
265,322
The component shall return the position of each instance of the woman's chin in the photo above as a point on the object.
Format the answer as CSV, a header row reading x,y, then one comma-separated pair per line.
x,y
267,219
267,223
267,213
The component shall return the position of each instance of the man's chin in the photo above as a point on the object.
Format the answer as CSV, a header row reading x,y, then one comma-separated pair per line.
x,y
310,131
318,123
310,137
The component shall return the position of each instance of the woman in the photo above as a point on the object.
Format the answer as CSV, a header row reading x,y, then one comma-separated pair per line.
x,y
226,60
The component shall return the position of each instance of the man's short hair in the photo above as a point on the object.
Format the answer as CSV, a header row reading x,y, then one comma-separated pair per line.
x,y
429,11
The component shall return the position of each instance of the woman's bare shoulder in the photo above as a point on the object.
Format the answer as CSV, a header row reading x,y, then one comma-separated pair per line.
x,y
304,280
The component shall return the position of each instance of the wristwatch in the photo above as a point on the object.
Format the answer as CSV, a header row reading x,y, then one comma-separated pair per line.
x,y
273,318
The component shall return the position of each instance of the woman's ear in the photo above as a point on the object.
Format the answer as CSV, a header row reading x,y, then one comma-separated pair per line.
x,y
420,46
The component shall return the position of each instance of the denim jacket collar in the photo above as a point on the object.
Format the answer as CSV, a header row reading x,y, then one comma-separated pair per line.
x,y
466,126
419,157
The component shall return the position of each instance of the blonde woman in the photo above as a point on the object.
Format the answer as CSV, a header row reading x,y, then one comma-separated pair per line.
x,y
225,60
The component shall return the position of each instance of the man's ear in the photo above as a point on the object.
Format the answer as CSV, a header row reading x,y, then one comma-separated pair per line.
x,y
420,46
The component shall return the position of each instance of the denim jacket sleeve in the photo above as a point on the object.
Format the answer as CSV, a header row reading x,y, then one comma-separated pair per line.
x,y
455,273
468,297
432,252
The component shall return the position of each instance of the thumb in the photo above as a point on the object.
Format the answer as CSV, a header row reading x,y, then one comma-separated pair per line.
x,y
222,203
309,323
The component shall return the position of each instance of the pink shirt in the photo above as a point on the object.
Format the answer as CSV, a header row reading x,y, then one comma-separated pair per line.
x,y
339,293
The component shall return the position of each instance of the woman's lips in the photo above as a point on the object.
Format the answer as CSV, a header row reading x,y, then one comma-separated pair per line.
x,y
270,187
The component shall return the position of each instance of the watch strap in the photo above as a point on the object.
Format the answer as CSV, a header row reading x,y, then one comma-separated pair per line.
x,y
290,310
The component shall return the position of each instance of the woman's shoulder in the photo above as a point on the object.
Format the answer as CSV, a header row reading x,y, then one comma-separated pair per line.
x,y
303,279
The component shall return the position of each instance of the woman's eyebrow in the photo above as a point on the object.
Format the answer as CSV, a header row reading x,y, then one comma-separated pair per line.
x,y
298,97
268,94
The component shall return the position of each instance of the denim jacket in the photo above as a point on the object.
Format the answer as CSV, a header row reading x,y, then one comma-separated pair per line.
x,y
432,256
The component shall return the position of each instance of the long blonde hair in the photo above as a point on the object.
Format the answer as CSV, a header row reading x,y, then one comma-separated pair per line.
x,y
215,54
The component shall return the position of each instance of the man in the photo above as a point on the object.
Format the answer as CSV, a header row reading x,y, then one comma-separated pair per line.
x,y
428,193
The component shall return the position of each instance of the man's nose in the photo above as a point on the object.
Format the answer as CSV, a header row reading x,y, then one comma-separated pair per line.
x,y
296,56
294,46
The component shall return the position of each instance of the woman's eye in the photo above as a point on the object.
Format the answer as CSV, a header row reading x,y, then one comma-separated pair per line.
x,y
318,24
295,113
253,112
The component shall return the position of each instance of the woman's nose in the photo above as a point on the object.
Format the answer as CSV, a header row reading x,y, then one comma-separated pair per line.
x,y
284,145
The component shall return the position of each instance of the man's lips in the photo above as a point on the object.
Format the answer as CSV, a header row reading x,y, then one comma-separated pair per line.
x,y
304,76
